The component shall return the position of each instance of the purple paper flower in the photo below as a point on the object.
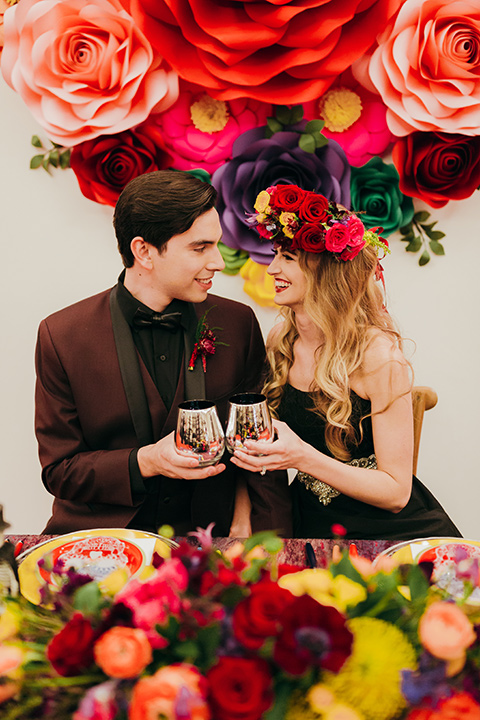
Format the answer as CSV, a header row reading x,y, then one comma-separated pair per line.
x,y
259,162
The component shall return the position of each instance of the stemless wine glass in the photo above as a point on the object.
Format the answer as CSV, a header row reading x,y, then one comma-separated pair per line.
x,y
248,419
199,432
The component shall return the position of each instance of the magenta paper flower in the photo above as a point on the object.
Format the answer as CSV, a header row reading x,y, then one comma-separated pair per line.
x,y
355,118
200,131
83,68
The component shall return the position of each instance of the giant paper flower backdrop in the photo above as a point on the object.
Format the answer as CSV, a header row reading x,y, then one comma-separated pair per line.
x,y
280,52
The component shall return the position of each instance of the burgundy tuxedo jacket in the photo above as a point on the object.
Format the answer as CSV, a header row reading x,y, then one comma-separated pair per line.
x,y
86,427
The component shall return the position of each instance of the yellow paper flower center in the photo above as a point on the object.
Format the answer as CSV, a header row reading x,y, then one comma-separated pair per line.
x,y
209,115
340,108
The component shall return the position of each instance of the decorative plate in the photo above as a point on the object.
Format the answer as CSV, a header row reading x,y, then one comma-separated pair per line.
x,y
95,552
442,551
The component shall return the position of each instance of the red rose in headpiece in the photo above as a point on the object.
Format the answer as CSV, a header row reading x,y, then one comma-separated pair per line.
x,y
310,238
287,198
314,208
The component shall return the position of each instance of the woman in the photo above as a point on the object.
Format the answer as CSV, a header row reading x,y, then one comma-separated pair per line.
x,y
338,382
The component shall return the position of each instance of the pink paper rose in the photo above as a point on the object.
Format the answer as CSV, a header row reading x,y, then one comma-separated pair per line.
x,y
199,131
83,68
354,117
426,67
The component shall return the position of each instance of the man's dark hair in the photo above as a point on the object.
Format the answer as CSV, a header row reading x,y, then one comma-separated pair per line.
x,y
158,205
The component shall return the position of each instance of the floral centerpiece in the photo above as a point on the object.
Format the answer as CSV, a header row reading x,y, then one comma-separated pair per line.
x,y
238,636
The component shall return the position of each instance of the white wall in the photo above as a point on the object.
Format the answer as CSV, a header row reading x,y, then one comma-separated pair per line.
x,y
58,247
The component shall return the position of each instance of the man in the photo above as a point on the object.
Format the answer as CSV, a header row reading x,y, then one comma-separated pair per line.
x,y
112,369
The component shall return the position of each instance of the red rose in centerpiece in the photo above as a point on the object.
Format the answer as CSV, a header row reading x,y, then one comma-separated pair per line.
x,y
240,688
310,238
312,634
105,165
280,52
438,167
257,617
314,208
71,650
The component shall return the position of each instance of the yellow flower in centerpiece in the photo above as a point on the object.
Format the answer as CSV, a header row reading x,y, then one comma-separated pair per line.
x,y
258,284
370,679
338,592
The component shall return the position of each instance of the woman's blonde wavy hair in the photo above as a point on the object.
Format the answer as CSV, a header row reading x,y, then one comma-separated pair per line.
x,y
345,302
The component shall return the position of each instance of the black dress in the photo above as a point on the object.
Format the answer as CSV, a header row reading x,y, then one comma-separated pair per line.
x,y
423,516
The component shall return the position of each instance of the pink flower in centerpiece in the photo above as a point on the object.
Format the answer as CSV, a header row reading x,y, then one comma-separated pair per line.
x,y
354,117
83,68
199,131
154,600
98,703
445,631
426,67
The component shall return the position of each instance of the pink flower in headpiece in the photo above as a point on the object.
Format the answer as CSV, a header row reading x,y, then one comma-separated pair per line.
x,y
356,230
200,131
354,117
337,238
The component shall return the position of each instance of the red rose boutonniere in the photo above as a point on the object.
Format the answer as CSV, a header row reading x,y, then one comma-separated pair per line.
x,y
205,342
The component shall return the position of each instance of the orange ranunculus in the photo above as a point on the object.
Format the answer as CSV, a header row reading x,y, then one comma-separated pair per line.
x,y
161,694
445,631
83,68
123,652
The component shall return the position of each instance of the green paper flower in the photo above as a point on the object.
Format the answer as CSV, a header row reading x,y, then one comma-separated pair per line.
x,y
233,259
375,191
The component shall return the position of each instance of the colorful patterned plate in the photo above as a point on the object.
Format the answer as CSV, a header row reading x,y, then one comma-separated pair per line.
x,y
442,551
94,552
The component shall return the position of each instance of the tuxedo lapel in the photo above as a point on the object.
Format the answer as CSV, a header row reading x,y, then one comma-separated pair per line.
x,y
194,379
131,373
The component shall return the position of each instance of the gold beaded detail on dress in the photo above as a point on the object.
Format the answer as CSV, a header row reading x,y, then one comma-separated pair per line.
x,y
326,493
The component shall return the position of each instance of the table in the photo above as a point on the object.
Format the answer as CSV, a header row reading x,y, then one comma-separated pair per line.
x,y
293,551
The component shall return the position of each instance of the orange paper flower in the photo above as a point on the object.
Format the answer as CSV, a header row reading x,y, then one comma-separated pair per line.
x,y
445,631
123,652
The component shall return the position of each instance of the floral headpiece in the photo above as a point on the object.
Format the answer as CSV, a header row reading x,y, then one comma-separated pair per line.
x,y
297,219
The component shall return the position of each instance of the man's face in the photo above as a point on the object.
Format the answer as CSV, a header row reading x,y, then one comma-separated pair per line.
x,y
185,268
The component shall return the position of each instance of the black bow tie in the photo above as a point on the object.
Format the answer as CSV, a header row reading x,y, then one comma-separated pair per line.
x,y
169,321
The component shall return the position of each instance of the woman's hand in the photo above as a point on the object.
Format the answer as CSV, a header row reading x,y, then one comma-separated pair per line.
x,y
283,453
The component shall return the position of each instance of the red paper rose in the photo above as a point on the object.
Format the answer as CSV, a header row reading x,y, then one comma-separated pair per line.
x,y
287,198
105,165
336,238
83,68
280,52
257,617
71,650
314,208
436,167
310,238
240,688
312,634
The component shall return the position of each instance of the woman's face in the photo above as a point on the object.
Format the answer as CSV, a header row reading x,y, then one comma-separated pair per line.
x,y
290,280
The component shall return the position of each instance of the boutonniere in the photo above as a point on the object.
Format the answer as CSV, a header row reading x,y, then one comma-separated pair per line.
x,y
205,342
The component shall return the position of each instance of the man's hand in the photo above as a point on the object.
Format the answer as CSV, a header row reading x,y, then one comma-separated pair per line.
x,y
161,458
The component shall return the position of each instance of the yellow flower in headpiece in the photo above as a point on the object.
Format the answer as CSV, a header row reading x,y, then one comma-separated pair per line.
x,y
262,202
338,592
287,220
258,284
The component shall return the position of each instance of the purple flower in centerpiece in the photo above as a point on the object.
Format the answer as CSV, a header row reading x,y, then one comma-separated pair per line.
x,y
259,162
